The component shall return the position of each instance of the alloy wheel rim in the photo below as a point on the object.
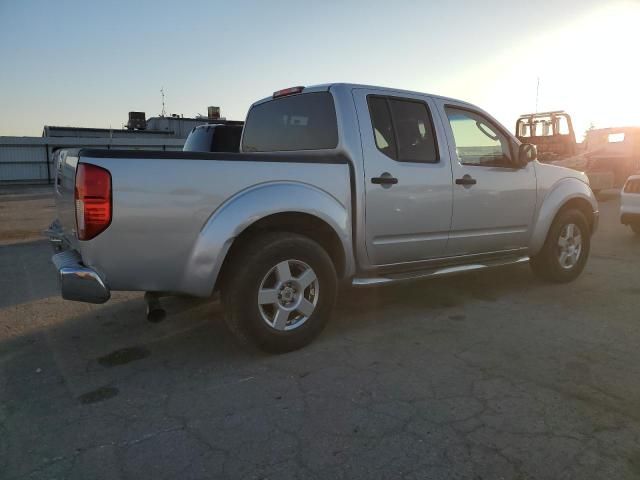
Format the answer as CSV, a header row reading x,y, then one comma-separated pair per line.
x,y
569,246
288,295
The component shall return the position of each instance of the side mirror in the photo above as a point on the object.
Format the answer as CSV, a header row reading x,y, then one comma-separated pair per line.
x,y
527,153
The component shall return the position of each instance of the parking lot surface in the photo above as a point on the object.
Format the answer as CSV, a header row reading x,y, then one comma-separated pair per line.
x,y
485,376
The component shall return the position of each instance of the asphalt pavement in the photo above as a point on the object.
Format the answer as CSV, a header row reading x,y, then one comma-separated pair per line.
x,y
485,376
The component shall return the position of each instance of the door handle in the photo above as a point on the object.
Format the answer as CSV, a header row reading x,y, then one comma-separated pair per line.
x,y
384,179
466,180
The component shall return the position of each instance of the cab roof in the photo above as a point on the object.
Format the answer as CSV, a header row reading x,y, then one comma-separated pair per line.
x,y
350,86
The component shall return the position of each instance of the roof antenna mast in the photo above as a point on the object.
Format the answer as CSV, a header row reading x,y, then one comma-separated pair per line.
x,y
537,93
163,113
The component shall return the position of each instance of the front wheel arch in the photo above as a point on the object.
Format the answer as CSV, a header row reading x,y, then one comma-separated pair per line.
x,y
545,263
566,195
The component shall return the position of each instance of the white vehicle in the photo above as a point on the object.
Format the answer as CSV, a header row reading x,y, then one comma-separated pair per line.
x,y
630,203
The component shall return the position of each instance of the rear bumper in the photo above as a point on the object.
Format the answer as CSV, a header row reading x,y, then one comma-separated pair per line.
x,y
78,282
630,218
629,208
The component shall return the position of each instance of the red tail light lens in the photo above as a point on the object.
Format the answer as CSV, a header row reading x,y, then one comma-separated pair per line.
x,y
93,200
288,91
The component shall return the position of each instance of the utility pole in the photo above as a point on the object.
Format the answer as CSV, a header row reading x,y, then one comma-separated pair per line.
x,y
537,93
163,113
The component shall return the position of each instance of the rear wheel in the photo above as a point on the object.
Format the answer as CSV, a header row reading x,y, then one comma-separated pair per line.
x,y
279,292
566,248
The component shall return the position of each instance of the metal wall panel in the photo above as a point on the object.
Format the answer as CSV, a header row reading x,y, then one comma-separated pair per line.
x,y
24,159
23,163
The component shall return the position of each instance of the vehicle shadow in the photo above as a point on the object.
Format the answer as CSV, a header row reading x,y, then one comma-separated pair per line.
x,y
27,273
194,332
96,350
450,294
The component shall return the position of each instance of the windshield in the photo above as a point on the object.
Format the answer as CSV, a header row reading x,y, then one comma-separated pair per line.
x,y
214,138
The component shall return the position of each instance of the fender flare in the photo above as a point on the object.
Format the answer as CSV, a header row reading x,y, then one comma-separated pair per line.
x,y
247,207
556,198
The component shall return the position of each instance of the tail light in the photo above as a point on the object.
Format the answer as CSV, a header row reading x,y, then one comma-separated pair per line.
x,y
287,91
93,200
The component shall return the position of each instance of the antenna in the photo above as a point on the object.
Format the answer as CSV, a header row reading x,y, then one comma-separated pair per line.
x,y
163,113
537,93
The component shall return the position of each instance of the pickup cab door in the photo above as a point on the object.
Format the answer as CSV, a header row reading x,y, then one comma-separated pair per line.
x,y
494,199
408,179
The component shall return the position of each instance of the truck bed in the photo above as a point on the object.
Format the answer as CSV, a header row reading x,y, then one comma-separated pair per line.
x,y
162,202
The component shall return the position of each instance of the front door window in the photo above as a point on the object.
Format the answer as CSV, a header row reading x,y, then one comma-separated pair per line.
x,y
478,142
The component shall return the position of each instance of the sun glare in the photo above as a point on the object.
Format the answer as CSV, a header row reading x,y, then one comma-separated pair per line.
x,y
603,74
589,68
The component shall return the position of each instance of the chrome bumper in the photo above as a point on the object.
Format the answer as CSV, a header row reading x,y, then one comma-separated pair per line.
x,y
78,282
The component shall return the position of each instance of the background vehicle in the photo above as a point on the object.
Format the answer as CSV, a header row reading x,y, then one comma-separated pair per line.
x,y
630,203
612,154
551,132
214,138
334,183
607,155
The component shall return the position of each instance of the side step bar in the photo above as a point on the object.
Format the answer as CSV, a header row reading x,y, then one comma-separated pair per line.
x,y
434,272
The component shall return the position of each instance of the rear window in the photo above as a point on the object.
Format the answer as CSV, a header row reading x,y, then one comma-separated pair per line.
x,y
298,122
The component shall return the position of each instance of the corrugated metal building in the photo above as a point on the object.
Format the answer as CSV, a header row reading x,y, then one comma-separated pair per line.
x,y
29,159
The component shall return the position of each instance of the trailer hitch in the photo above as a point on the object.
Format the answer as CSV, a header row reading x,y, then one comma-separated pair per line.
x,y
155,312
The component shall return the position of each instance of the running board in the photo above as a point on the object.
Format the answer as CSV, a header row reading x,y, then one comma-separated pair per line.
x,y
434,272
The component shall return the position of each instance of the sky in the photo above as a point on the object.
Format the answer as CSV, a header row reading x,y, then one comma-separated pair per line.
x,y
87,63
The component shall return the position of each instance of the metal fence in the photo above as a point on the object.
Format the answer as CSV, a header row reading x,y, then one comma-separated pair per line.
x,y
29,159
20,162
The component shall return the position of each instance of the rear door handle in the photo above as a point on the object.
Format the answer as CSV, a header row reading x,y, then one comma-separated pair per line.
x,y
384,179
466,180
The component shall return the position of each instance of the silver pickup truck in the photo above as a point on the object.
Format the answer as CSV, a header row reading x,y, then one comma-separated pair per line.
x,y
333,184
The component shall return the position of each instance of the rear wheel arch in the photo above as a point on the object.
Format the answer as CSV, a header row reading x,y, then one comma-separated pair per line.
x,y
299,223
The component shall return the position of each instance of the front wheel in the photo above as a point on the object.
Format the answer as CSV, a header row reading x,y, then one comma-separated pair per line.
x,y
280,292
566,249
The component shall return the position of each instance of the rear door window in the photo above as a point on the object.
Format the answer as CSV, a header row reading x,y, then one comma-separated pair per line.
x,y
382,126
298,122
403,129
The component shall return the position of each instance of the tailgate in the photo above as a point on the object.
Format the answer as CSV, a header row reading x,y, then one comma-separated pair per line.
x,y
66,161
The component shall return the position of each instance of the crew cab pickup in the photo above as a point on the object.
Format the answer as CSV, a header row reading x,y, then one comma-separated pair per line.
x,y
334,184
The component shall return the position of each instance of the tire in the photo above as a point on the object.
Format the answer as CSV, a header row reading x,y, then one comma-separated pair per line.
x,y
547,263
277,326
636,228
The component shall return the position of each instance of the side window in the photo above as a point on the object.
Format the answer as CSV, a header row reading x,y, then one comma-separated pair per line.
x,y
382,128
478,142
403,129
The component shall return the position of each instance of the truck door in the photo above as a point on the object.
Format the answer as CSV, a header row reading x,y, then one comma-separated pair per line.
x,y
408,180
494,200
